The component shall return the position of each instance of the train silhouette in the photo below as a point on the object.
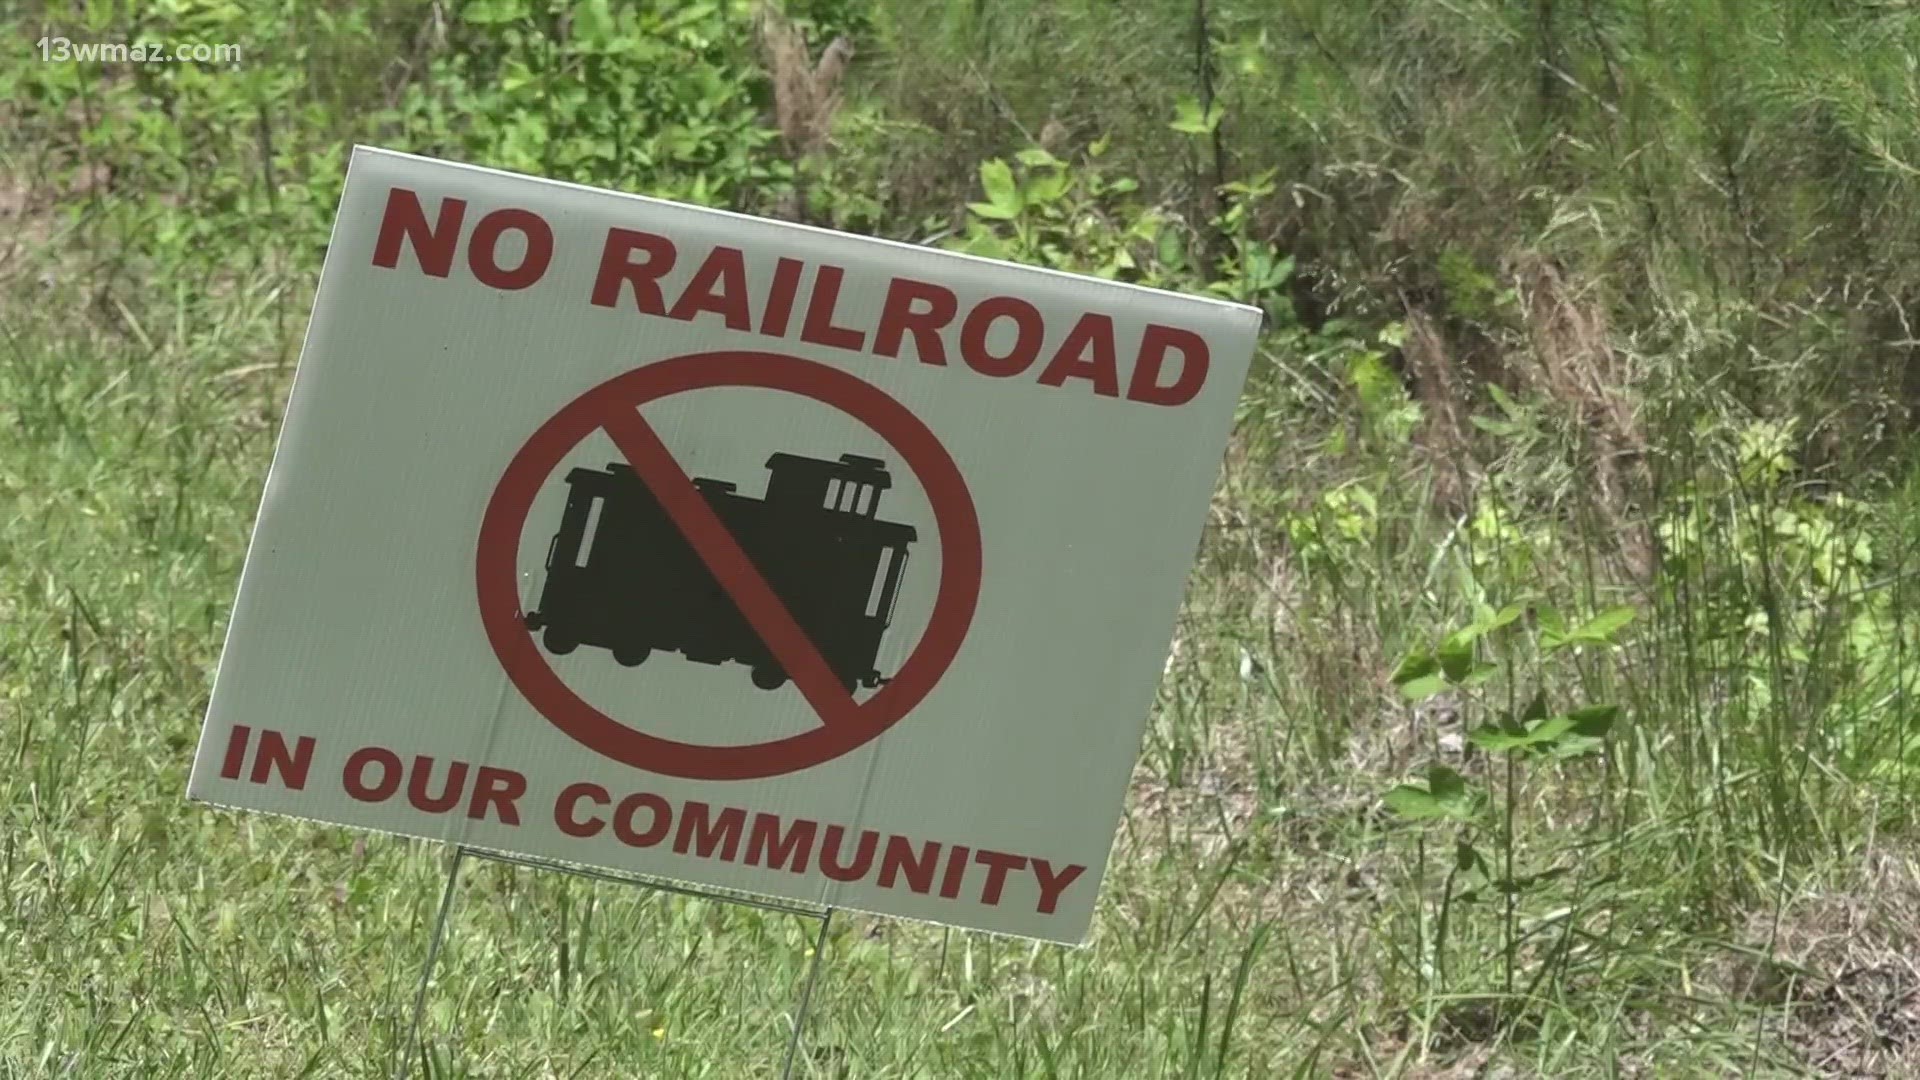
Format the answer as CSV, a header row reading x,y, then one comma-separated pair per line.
x,y
621,576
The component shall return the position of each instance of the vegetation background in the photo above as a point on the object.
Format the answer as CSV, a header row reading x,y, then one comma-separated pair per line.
x,y
1542,704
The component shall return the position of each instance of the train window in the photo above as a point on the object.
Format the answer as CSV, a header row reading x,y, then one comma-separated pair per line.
x,y
893,586
865,506
878,593
848,493
833,492
585,548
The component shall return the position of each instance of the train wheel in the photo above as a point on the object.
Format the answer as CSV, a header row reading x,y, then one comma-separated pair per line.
x,y
631,655
557,641
768,677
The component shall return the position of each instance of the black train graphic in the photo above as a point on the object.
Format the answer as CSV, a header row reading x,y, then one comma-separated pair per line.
x,y
621,576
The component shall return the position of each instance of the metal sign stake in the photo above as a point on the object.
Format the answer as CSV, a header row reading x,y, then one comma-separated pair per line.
x,y
460,852
426,968
806,993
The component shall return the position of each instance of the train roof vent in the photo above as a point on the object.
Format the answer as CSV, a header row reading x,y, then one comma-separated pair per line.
x,y
862,462
619,468
718,487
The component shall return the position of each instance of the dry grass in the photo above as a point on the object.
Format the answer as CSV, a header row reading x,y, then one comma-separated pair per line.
x,y
1576,365
806,93
30,209
1842,974
1438,387
21,230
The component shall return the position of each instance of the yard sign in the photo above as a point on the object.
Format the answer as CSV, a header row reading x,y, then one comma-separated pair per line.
x,y
634,535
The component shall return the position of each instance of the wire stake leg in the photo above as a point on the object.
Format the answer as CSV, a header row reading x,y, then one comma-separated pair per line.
x,y
806,994
426,969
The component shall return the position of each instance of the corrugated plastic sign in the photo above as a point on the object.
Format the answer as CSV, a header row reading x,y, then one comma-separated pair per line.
x,y
720,550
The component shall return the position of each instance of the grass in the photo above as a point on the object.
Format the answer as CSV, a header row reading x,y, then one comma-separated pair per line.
x,y
1263,917
1731,888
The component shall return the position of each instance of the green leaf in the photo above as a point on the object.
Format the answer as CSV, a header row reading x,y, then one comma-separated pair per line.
x,y
1505,401
1594,721
1446,785
1444,795
1483,614
1413,803
592,23
1573,746
1191,121
1550,620
1535,710
1036,157
996,177
516,76
690,14
1280,272
1503,617
1450,790
1424,687
1494,739
1456,653
987,210
1530,728
1481,674
493,12
1601,628
1042,190
1549,730
1417,664
1170,249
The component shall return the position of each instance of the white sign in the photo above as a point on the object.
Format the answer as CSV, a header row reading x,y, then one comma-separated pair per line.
x,y
720,550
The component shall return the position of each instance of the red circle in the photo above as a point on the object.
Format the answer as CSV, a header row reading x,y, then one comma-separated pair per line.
x,y
496,565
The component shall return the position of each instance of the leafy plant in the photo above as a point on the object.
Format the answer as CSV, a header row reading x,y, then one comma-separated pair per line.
x,y
1252,271
573,88
208,176
1471,292
1191,119
1388,413
1341,523
1442,795
1042,210
1776,575
1535,732
1038,208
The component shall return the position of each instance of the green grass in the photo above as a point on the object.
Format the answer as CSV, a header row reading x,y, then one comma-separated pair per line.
x,y
1263,917
148,936
1707,896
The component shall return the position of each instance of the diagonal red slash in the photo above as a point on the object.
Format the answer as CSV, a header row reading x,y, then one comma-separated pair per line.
x,y
503,528
730,566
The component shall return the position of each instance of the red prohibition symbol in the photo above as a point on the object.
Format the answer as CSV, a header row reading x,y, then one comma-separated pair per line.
x,y
613,407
